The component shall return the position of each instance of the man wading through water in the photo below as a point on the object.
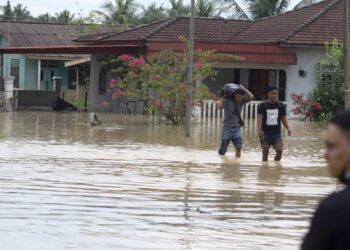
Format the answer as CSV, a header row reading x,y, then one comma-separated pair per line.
x,y
270,115
330,226
233,98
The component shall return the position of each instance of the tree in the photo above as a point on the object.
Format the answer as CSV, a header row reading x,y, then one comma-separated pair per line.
x,y
46,18
304,3
204,8
327,97
162,81
21,12
178,8
264,8
17,12
6,11
121,12
152,13
257,9
64,16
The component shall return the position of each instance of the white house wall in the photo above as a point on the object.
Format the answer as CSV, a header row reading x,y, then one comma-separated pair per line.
x,y
95,99
307,60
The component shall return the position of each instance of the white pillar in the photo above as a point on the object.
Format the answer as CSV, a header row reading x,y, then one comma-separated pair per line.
x,y
39,75
198,83
77,84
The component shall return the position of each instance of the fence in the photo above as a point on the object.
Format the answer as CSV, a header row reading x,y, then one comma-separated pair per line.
x,y
209,110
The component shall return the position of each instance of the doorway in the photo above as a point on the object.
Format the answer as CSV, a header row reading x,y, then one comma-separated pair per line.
x,y
49,69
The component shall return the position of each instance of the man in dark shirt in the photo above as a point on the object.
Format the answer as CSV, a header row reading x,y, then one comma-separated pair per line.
x,y
270,115
330,226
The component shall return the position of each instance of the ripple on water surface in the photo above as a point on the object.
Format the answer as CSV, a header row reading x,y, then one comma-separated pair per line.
x,y
134,185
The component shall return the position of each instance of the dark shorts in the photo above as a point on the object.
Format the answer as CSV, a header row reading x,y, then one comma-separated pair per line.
x,y
271,140
230,134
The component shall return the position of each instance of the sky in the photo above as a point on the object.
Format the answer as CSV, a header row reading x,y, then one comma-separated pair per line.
x,y
82,7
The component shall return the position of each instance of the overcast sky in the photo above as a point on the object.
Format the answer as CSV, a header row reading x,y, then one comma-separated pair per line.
x,y
83,7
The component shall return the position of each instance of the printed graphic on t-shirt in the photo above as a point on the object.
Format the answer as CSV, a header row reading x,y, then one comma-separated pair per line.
x,y
272,117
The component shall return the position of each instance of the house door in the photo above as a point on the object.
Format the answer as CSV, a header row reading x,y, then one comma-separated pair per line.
x,y
48,70
260,80
258,83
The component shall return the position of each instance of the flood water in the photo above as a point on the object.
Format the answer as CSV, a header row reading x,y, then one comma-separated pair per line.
x,y
134,185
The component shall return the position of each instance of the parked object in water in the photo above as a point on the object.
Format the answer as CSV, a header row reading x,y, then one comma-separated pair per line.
x,y
94,121
62,105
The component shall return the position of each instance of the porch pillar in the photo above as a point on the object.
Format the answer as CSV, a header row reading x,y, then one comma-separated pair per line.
x,y
198,83
39,75
1,72
77,84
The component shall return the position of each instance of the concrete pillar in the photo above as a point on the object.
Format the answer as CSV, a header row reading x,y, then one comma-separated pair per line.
x,y
8,91
1,72
39,75
8,86
57,80
77,84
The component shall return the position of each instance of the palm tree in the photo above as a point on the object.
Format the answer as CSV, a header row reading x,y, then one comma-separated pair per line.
x,y
120,12
46,18
17,12
204,8
152,13
21,12
64,17
257,9
178,8
304,3
264,8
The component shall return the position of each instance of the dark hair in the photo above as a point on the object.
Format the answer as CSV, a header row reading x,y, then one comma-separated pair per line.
x,y
271,88
342,120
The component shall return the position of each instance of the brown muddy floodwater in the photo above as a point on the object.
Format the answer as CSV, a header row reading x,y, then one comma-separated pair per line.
x,y
134,185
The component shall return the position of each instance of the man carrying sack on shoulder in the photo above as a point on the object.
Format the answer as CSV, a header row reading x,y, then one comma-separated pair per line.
x,y
234,97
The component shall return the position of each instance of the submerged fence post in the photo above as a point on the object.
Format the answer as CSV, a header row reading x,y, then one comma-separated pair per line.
x,y
85,101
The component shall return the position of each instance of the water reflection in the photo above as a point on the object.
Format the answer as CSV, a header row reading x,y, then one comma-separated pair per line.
x,y
133,185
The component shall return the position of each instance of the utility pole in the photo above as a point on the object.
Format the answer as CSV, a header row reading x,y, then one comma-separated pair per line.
x,y
346,54
190,74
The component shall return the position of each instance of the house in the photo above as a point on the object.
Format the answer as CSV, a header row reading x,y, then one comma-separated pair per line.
x,y
281,50
34,71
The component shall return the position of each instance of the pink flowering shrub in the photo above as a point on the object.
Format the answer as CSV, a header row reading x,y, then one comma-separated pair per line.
x,y
162,81
308,108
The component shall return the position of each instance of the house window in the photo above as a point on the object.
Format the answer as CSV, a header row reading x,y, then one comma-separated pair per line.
x,y
15,71
102,81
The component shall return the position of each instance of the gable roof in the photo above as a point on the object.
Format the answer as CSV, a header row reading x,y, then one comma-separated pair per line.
x,y
206,30
311,25
32,34
323,27
282,27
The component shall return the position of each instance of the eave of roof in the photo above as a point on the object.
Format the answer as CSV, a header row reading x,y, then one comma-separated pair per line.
x,y
75,49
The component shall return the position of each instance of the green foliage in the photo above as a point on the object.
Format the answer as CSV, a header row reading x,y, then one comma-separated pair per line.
x,y
204,8
178,8
257,9
64,16
16,12
329,90
327,98
152,13
162,80
120,12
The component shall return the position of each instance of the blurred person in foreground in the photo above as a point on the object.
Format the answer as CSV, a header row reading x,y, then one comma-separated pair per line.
x,y
330,226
